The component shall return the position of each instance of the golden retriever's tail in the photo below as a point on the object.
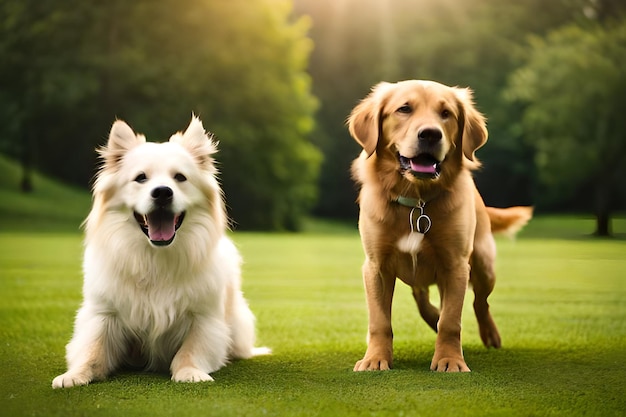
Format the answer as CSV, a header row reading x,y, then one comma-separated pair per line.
x,y
509,221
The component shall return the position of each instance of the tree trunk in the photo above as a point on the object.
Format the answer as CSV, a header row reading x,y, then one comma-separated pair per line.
x,y
26,184
603,199
603,224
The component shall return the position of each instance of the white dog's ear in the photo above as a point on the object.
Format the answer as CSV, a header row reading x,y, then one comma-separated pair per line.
x,y
197,141
474,126
364,121
122,137
121,140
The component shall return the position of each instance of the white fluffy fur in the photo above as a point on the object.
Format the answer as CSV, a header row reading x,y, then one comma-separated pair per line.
x,y
157,307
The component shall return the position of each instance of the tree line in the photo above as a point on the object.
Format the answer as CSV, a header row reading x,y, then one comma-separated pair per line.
x,y
275,80
548,75
70,68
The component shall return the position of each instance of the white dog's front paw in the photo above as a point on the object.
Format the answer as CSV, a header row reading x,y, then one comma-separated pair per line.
x,y
70,379
190,374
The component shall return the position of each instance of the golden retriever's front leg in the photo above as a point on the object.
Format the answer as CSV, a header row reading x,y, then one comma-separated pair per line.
x,y
448,351
204,350
379,288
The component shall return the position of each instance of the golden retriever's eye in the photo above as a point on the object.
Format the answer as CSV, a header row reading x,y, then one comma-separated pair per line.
x,y
141,178
445,113
180,177
405,109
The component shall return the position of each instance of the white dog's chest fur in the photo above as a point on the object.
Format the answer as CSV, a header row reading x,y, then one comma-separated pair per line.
x,y
410,243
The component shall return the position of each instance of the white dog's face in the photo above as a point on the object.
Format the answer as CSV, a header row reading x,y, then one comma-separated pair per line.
x,y
156,184
160,186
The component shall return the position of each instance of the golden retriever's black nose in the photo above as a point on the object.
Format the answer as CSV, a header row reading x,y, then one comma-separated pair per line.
x,y
430,134
162,196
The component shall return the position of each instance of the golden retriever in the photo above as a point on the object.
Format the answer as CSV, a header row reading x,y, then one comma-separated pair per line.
x,y
422,219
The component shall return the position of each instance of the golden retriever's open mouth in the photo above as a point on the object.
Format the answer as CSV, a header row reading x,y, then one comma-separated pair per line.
x,y
160,225
423,166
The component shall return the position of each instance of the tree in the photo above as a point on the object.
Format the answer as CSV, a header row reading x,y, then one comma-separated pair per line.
x,y
70,68
36,79
474,43
573,88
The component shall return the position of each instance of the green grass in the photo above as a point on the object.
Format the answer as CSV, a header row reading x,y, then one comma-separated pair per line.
x,y
49,207
560,304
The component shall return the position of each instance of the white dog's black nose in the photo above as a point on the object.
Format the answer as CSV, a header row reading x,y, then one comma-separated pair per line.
x,y
430,135
162,196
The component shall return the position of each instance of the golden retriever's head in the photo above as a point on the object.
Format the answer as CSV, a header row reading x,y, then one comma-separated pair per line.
x,y
423,125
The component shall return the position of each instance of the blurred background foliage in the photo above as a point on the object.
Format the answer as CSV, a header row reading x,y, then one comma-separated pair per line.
x,y
71,67
275,80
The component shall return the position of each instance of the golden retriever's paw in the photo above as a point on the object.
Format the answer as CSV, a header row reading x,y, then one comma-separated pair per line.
x,y
190,374
70,379
449,365
372,364
490,337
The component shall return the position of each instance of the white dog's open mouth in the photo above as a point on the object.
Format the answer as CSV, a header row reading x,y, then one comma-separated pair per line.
x,y
160,225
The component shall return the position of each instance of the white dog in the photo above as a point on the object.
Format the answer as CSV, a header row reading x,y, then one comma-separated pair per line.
x,y
162,280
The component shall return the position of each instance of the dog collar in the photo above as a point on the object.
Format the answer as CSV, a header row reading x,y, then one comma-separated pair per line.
x,y
422,222
409,202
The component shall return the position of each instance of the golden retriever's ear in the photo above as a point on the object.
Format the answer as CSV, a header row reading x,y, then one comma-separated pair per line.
x,y
474,126
121,140
364,121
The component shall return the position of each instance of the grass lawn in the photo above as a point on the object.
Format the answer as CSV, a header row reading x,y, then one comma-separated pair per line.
x,y
560,304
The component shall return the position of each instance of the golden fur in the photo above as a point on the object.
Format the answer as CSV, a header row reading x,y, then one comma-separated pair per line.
x,y
419,139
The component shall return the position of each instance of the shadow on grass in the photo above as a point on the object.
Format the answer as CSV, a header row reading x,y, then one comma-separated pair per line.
x,y
509,381
552,369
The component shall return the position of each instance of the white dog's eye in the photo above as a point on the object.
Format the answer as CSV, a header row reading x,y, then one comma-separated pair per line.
x,y
141,178
445,113
180,177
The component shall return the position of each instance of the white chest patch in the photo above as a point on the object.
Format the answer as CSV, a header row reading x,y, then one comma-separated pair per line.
x,y
411,242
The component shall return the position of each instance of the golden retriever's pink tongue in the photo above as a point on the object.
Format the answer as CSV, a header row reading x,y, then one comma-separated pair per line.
x,y
161,227
423,168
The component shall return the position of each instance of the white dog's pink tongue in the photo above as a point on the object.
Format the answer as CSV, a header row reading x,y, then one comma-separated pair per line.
x,y
161,227
423,168
162,234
